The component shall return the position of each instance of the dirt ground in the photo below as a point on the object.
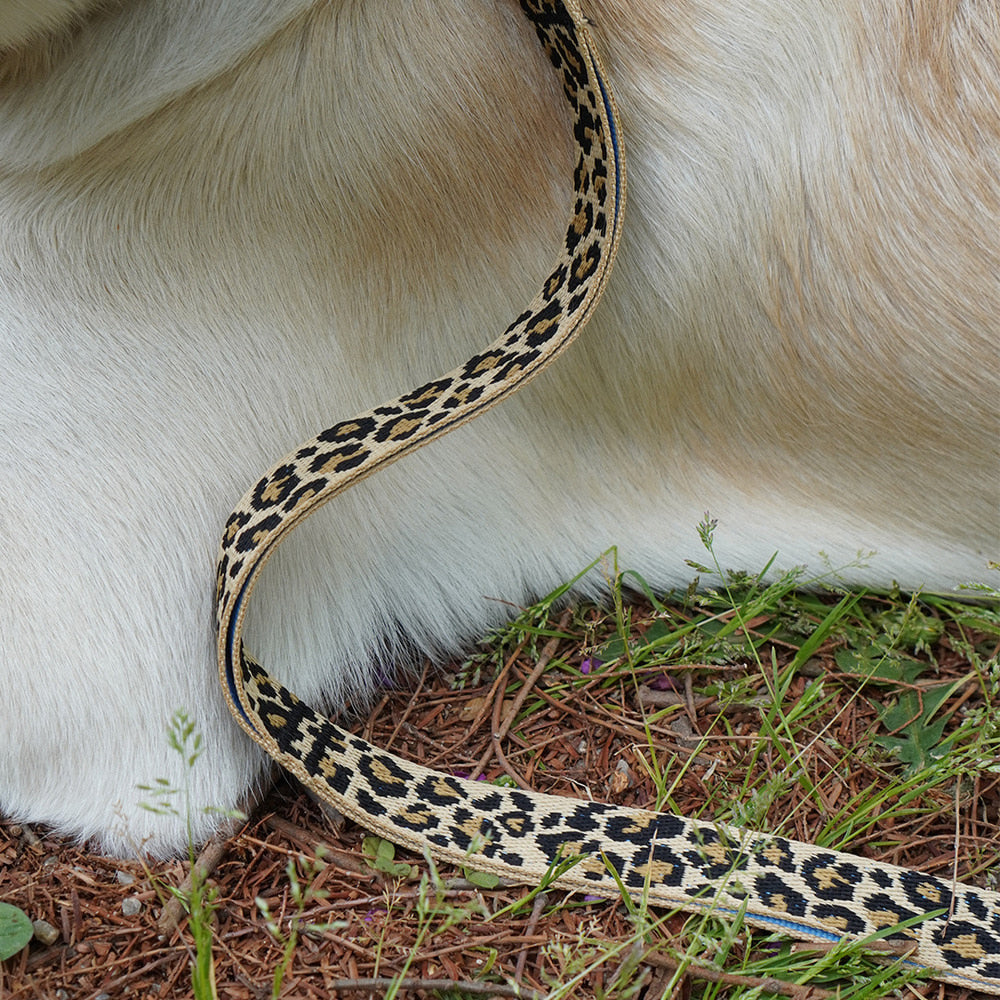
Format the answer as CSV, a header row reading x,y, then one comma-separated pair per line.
x,y
113,933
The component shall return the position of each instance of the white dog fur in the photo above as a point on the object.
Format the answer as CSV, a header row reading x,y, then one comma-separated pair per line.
x,y
227,224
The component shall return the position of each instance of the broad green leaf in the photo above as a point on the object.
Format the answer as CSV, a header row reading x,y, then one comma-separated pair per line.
x,y
15,930
920,741
485,880
380,855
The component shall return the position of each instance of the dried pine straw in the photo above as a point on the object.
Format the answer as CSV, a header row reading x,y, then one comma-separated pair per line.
x,y
588,739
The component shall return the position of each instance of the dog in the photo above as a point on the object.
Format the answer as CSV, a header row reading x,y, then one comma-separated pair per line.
x,y
227,224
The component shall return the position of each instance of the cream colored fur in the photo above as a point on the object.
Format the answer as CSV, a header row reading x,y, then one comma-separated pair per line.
x,y
27,21
228,223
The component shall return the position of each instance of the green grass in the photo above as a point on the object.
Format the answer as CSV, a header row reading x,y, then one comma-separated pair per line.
x,y
785,660
881,648
200,900
300,875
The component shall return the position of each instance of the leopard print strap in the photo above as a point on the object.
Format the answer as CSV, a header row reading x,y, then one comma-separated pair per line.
x,y
780,884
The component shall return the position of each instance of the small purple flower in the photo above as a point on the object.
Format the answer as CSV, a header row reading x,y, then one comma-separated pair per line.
x,y
664,683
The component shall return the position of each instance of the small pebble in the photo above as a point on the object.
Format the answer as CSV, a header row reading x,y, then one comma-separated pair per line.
x,y
30,837
622,778
45,932
124,878
131,906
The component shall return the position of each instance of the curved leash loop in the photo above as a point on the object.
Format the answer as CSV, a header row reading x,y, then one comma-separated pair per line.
x,y
779,884
348,452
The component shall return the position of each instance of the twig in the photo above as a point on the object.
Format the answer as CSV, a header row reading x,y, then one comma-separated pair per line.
x,y
212,854
345,860
114,984
769,983
502,727
460,985
496,686
536,912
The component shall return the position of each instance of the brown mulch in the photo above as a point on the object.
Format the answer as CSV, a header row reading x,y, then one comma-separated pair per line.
x,y
111,935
